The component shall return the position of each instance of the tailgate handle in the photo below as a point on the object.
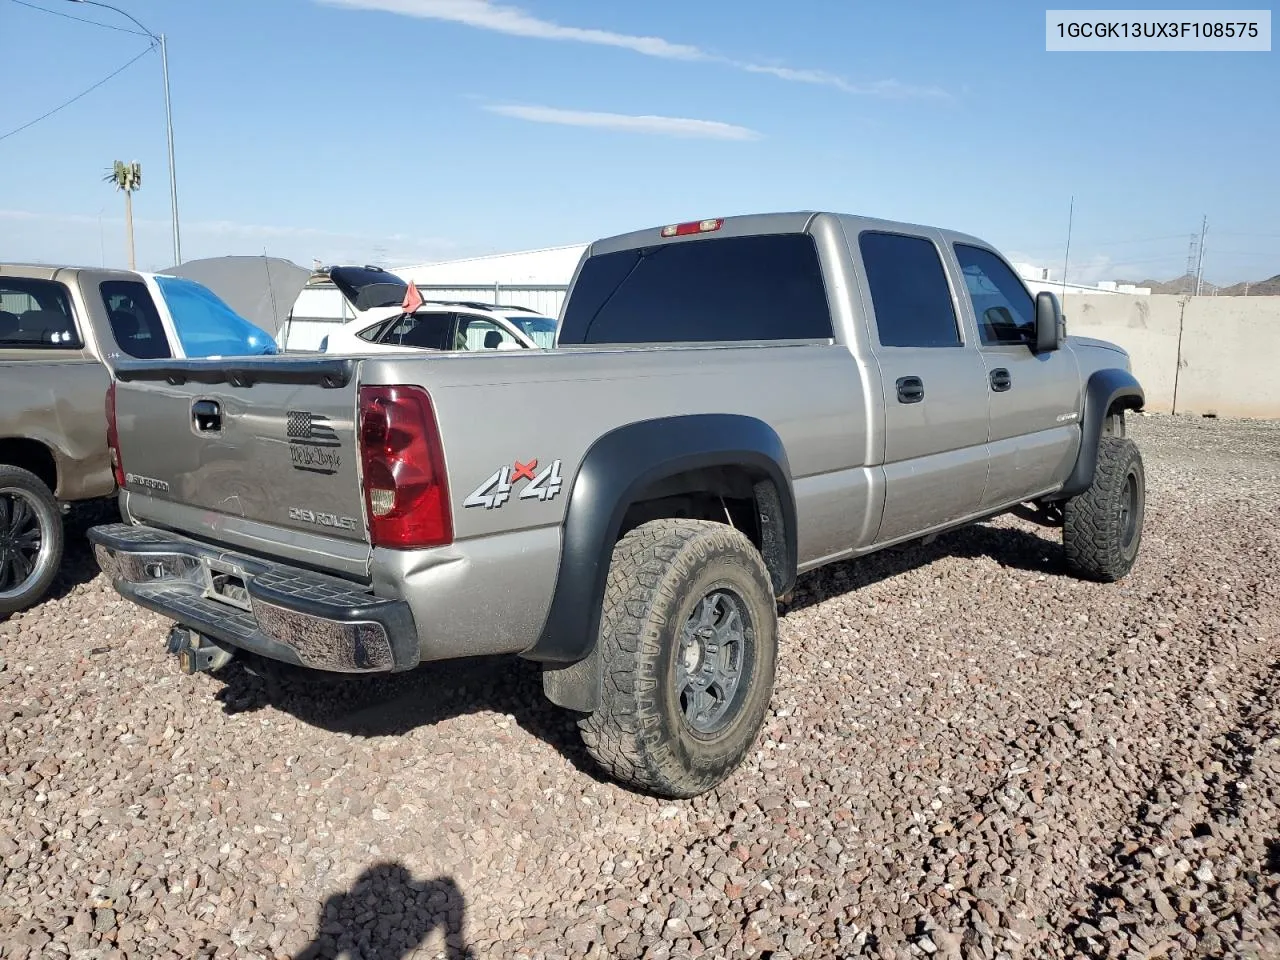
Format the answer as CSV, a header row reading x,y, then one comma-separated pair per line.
x,y
206,416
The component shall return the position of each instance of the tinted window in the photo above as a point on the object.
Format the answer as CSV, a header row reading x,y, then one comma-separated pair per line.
x,y
1005,310
909,291
730,288
429,331
135,323
36,314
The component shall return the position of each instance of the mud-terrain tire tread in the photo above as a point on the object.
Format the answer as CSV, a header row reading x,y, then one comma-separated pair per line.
x,y
648,567
1091,531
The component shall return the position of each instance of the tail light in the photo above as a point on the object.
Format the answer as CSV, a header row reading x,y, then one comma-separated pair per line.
x,y
695,226
113,436
406,491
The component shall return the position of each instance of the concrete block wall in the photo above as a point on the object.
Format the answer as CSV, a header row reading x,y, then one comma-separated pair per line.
x,y
1230,351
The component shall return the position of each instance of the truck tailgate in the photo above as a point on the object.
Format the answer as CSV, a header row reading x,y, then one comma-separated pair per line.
x,y
261,450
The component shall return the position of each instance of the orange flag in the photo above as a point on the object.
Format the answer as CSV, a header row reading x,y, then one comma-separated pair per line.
x,y
412,298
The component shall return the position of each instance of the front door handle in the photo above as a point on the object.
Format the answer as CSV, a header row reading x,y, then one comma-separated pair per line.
x,y
910,389
206,416
1000,380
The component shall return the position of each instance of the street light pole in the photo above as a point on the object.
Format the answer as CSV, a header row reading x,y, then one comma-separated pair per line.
x,y
168,115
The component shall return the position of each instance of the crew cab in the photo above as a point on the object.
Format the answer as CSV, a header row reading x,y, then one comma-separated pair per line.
x,y
729,404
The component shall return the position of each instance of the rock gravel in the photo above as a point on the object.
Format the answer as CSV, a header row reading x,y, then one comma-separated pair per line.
x,y
970,755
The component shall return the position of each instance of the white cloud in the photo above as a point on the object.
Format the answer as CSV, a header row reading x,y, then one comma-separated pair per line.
x,y
660,126
487,15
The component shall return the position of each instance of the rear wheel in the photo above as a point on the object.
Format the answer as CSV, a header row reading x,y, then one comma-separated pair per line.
x,y
31,539
1102,527
688,645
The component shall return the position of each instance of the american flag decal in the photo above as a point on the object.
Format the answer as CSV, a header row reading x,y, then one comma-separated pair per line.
x,y
307,427
313,444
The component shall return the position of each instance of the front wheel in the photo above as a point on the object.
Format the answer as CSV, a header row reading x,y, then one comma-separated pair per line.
x,y
31,538
688,648
1102,527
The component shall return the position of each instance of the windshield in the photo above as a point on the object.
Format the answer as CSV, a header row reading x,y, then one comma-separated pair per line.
x,y
541,330
206,326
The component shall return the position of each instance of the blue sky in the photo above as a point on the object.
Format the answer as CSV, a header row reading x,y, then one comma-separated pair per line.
x,y
398,131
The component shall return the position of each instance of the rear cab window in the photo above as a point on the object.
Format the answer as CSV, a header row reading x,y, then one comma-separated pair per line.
x,y
36,315
135,322
766,287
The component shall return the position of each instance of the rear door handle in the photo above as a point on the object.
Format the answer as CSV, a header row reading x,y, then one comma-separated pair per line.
x,y
910,389
206,416
1000,380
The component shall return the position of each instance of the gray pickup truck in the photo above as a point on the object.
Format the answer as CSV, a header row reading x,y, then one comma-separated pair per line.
x,y
730,403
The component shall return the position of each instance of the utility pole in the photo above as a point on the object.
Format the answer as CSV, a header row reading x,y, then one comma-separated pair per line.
x,y
168,118
1066,256
1204,226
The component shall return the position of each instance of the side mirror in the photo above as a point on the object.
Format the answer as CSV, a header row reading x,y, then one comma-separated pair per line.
x,y
1048,322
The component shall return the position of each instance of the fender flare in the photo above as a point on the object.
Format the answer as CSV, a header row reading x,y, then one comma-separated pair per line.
x,y
614,472
1104,389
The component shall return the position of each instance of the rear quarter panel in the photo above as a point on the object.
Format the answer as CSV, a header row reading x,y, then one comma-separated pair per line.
x,y
60,402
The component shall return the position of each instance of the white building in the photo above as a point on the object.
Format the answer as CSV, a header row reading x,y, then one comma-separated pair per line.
x,y
536,279
1041,278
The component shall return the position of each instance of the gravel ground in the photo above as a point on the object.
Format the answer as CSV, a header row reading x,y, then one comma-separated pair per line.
x,y
970,755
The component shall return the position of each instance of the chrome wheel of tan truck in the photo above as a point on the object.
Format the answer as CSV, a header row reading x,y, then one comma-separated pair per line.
x,y
729,403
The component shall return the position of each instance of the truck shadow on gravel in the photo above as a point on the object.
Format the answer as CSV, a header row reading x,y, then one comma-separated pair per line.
x,y
391,706
387,915
1011,547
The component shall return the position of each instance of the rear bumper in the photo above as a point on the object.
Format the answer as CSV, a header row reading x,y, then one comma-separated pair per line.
x,y
278,611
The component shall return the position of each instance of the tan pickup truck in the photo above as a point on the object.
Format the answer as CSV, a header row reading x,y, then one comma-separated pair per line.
x,y
62,329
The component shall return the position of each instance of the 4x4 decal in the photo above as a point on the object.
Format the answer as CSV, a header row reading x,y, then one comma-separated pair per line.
x,y
497,489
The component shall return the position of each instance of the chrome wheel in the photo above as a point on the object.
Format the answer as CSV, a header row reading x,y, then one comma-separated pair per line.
x,y
25,551
712,661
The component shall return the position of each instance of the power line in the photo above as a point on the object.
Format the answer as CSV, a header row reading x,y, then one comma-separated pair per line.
x,y
67,103
72,16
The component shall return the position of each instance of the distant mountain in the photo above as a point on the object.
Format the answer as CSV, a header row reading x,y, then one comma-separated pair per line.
x,y
1187,284
1263,288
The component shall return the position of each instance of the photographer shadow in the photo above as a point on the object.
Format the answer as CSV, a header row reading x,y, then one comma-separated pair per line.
x,y
386,915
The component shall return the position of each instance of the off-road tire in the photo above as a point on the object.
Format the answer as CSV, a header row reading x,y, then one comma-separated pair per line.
x,y
39,499
1102,527
660,572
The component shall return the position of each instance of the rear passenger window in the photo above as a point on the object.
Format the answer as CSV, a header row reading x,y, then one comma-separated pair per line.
x,y
765,287
428,331
909,291
135,322
36,314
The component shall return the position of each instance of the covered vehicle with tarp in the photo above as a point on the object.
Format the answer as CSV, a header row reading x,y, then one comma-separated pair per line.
x,y
260,291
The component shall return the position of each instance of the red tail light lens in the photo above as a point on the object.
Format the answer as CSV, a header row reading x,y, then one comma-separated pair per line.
x,y
406,491
695,226
113,436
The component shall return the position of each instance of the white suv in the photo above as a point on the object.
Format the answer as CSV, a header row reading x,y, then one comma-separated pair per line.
x,y
385,327
439,325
